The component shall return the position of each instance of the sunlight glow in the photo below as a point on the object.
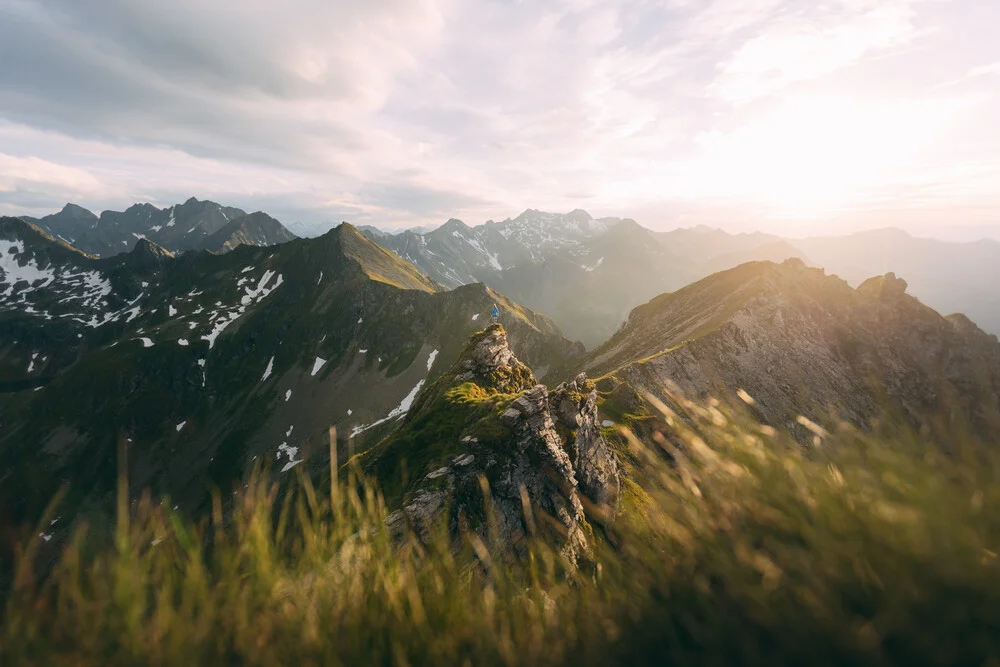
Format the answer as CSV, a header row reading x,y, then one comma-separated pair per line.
x,y
813,154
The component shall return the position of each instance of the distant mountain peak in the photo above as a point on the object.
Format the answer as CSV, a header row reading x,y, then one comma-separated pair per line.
x,y
454,224
76,209
704,229
886,286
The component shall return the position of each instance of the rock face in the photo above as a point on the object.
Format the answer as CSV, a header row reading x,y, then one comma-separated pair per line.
x,y
595,467
540,453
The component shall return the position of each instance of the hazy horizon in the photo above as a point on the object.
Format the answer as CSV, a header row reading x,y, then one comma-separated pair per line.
x,y
780,116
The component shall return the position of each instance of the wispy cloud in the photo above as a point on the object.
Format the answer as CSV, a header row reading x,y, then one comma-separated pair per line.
x,y
410,111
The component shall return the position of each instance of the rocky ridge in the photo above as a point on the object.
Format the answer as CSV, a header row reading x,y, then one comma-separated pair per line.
x,y
800,342
541,453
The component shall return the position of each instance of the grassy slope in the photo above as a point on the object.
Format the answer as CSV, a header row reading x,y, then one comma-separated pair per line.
x,y
746,550
692,312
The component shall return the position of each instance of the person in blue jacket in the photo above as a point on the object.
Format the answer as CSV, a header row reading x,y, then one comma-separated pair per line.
x,y
495,313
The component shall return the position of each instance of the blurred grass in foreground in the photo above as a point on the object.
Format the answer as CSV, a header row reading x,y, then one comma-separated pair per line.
x,y
745,549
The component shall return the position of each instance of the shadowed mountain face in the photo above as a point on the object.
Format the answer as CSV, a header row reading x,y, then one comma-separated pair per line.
x,y
257,229
804,343
208,363
193,225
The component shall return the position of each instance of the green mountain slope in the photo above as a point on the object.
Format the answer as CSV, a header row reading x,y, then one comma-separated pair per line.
x,y
209,362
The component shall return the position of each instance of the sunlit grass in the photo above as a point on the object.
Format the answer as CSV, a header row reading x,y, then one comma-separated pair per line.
x,y
745,549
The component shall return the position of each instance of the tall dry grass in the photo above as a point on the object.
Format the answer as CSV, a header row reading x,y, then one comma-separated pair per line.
x,y
746,548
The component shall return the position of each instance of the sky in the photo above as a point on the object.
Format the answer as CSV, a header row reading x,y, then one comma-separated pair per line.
x,y
792,116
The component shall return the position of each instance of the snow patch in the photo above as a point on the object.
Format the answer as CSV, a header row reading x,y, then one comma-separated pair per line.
x,y
181,425
13,273
183,342
249,268
288,395
171,311
261,291
291,453
267,371
431,358
475,317
318,364
606,423
146,342
395,413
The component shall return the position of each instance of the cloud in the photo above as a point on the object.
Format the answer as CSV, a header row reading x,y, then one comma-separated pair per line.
x,y
810,43
411,111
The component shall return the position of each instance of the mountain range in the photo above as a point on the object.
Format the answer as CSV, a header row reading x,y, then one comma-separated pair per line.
x,y
206,362
193,225
545,260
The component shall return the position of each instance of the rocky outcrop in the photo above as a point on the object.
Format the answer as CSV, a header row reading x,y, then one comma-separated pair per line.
x,y
596,470
544,463
490,362
541,469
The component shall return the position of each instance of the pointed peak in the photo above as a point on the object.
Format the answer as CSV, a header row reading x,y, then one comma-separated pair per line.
x,y
579,215
145,247
628,228
190,201
453,224
377,263
75,209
